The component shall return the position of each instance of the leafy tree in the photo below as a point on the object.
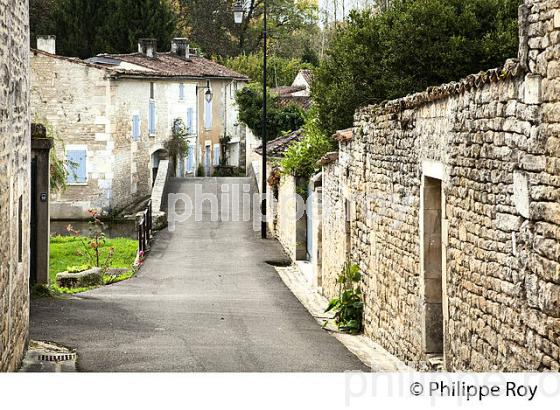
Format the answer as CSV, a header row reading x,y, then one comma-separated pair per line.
x,y
280,71
286,18
41,18
412,45
279,119
85,28
129,20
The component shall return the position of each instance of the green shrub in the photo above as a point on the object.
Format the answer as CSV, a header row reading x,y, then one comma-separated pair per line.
x,y
348,307
279,119
301,158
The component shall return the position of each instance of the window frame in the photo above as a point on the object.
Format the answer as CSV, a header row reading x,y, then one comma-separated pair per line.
x,y
77,148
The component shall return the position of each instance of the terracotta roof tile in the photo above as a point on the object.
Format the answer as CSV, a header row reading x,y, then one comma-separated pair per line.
x,y
277,148
328,158
344,135
171,65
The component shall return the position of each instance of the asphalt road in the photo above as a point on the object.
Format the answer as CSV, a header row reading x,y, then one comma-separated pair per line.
x,y
205,301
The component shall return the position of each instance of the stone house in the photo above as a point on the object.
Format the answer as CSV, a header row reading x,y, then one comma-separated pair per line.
x,y
114,114
299,92
449,201
15,152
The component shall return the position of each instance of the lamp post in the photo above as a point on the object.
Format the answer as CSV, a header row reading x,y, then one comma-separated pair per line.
x,y
238,12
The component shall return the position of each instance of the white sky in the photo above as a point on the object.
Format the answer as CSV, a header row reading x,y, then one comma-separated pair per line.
x,y
328,7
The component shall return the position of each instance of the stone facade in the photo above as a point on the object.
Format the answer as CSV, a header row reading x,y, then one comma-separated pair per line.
x,y
91,105
449,201
15,151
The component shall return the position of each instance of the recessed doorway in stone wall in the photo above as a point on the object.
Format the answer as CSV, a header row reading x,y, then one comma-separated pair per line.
x,y
432,240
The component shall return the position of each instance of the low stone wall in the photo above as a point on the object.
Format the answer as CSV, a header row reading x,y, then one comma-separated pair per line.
x,y
453,197
15,150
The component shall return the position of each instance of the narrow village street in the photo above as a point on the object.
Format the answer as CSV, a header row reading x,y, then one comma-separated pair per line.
x,y
205,301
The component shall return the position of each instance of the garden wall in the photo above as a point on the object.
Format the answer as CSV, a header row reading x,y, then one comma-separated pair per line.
x,y
453,197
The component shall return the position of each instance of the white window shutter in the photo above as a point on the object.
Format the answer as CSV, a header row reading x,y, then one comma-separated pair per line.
x,y
190,120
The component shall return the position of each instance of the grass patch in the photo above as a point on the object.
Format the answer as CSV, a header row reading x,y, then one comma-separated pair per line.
x,y
66,252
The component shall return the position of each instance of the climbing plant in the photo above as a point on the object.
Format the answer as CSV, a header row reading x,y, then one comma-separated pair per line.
x,y
59,168
177,145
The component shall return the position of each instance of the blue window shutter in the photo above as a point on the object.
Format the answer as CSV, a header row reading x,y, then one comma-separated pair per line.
x,y
76,166
181,91
207,114
190,160
190,120
152,119
136,127
216,155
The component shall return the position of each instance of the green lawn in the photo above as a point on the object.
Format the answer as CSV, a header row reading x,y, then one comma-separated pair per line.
x,y
65,251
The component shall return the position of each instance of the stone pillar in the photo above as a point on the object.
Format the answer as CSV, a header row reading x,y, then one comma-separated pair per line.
x,y
40,192
318,237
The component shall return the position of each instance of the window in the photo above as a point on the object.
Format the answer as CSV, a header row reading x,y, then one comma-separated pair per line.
x,y
136,127
20,229
190,121
152,93
207,114
190,159
181,91
216,154
152,118
76,166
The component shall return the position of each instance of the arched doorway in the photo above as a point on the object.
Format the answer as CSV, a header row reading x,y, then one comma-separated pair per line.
x,y
155,158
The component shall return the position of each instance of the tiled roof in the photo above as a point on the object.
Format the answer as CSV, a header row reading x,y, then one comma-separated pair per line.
x,y
286,91
307,75
303,102
277,148
171,65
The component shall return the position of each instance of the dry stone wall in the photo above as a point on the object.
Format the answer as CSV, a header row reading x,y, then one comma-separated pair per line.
x,y
15,151
492,141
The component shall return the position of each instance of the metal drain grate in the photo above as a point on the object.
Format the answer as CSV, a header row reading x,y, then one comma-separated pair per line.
x,y
57,357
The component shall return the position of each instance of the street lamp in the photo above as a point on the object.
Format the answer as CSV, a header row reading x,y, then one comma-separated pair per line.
x,y
208,96
238,12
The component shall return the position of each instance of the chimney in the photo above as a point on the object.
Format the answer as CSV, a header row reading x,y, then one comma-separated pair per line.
x,y
47,44
180,46
148,47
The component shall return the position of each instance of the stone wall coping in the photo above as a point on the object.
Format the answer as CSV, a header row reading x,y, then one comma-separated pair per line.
x,y
344,135
511,69
328,158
